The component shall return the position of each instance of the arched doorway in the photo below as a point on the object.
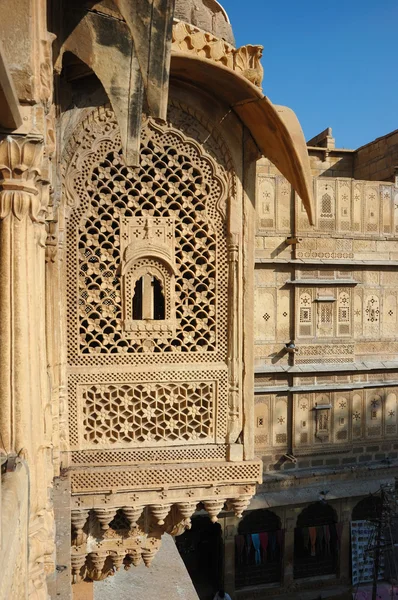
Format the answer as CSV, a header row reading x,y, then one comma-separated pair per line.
x,y
316,541
367,509
258,549
201,549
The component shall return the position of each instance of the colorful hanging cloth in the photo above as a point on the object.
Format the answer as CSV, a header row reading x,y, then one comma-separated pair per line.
x,y
240,547
264,544
248,540
272,543
312,532
326,532
320,538
306,537
257,546
280,538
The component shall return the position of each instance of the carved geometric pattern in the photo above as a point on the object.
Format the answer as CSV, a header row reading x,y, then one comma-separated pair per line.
x,y
157,475
176,180
123,402
372,309
128,456
149,412
165,176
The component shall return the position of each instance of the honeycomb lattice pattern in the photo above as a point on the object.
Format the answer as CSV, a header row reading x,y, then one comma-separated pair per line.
x,y
150,412
79,383
152,455
174,180
119,478
187,183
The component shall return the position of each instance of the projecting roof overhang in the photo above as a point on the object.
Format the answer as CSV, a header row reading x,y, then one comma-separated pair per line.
x,y
10,115
275,129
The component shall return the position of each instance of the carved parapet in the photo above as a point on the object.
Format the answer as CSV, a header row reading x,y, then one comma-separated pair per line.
x,y
246,60
20,162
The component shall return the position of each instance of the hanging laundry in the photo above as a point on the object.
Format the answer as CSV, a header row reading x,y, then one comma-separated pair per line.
x,y
326,532
306,537
257,546
280,538
248,540
264,545
312,532
240,547
272,543
320,538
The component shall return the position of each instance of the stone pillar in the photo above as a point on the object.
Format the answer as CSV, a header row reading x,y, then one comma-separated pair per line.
x,y
23,382
230,530
288,556
344,554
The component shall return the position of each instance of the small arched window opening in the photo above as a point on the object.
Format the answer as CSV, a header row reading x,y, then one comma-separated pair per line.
x,y
148,299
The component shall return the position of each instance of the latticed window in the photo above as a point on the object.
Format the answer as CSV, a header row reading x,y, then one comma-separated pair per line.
x,y
147,266
326,206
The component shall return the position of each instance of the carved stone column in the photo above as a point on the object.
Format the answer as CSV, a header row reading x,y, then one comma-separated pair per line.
x,y
23,382
288,558
234,409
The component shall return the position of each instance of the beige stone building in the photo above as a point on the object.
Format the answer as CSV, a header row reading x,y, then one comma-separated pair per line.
x,y
326,371
193,303
130,135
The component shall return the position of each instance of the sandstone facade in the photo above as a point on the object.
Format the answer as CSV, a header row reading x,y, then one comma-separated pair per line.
x,y
128,152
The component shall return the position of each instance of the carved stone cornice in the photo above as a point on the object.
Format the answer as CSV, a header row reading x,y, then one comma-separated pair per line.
x,y
245,60
20,161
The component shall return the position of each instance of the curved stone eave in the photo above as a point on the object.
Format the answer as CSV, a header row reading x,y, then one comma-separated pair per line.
x,y
275,129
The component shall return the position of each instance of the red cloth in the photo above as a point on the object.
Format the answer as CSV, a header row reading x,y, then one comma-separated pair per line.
x,y
312,532
264,544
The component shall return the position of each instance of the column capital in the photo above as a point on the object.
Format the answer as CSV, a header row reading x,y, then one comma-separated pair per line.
x,y
20,162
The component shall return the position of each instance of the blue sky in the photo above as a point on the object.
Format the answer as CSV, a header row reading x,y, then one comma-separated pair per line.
x,y
335,63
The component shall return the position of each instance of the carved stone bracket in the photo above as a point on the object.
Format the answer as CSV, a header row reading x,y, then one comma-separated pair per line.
x,y
245,60
20,162
106,538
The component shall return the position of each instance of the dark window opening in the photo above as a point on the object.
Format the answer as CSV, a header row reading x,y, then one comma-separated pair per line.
x,y
158,301
137,301
148,299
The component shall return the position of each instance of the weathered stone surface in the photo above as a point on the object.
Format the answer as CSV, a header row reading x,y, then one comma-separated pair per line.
x,y
166,578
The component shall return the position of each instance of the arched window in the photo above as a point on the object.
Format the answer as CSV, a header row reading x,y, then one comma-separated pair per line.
x,y
258,549
148,299
367,509
316,541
